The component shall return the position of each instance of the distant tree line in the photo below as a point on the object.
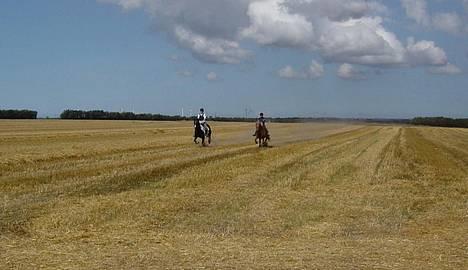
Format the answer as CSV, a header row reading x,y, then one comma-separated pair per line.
x,y
314,119
337,119
18,114
441,122
103,115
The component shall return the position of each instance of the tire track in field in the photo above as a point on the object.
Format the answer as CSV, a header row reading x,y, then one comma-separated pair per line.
x,y
290,165
450,141
293,163
56,160
390,151
87,167
442,154
346,168
17,214
404,161
429,171
135,180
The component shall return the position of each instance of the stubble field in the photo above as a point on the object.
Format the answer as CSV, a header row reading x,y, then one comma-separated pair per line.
x,y
141,195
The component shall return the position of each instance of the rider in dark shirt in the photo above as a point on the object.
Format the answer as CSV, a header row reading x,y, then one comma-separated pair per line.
x,y
261,120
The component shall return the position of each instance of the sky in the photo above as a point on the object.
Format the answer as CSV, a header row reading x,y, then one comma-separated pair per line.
x,y
308,58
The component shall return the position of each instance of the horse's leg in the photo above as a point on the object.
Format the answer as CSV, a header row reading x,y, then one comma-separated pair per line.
x,y
209,133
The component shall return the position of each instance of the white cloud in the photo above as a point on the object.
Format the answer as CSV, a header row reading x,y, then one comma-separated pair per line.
x,y
340,31
272,24
314,71
212,76
208,28
417,10
448,22
349,72
211,50
425,53
210,18
361,41
289,72
448,69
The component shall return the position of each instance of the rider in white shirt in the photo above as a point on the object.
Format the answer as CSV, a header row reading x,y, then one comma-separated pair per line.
x,y
202,119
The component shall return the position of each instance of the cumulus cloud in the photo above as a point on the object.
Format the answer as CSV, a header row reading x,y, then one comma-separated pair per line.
x,y
212,76
361,41
349,72
211,50
448,69
340,31
273,24
314,71
210,18
207,28
289,72
424,53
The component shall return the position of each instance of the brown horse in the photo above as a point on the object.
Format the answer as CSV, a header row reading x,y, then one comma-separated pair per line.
x,y
261,135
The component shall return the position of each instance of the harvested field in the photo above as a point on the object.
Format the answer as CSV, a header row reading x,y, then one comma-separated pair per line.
x,y
138,195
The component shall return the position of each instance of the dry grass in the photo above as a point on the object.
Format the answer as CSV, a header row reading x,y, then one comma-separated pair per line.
x,y
131,195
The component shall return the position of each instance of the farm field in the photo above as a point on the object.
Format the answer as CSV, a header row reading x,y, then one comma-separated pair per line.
x,y
139,195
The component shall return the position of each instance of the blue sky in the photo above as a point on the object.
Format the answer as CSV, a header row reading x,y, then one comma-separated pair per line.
x,y
285,58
